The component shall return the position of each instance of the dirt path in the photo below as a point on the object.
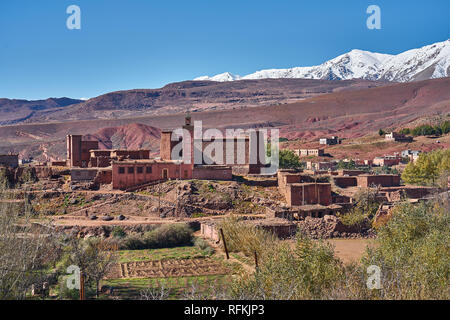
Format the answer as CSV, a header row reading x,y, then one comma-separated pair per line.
x,y
221,252
350,250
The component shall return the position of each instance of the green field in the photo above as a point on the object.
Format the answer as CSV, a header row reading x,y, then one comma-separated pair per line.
x,y
187,252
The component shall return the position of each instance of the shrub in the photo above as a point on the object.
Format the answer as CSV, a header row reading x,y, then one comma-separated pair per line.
x,y
241,236
362,214
308,270
118,232
203,246
166,236
412,252
133,242
169,235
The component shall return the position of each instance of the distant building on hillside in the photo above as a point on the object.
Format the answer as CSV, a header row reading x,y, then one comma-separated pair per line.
x,y
413,155
386,161
398,137
330,141
309,152
323,165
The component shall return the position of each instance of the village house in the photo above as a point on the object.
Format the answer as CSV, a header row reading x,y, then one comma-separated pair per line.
x,y
240,163
384,180
386,161
412,155
131,173
300,189
309,152
330,141
397,137
322,165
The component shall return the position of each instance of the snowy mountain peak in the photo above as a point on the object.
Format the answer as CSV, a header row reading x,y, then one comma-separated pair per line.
x,y
226,76
432,61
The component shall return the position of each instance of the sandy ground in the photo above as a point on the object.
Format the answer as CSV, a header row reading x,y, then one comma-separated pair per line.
x,y
349,250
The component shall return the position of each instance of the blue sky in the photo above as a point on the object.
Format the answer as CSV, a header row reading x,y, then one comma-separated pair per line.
x,y
147,44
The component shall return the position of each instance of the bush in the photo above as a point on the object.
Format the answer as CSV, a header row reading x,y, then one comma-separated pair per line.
x,y
246,238
412,252
307,271
118,232
169,235
133,242
362,214
203,246
165,236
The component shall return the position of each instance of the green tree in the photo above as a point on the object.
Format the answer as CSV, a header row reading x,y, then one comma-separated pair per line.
x,y
289,160
381,132
346,165
405,131
428,167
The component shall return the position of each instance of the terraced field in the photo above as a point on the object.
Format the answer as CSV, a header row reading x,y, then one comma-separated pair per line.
x,y
176,270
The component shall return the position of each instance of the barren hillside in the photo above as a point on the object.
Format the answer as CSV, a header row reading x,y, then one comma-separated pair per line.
x,y
348,114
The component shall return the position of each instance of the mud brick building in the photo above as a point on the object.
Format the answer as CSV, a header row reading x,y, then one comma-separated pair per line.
x,y
394,194
281,228
309,152
130,173
286,177
83,174
9,160
215,172
322,165
78,151
239,163
345,181
298,194
330,141
386,161
398,137
103,158
384,180
349,172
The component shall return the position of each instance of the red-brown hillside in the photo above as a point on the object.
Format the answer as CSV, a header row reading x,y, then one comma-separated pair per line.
x,y
130,136
348,114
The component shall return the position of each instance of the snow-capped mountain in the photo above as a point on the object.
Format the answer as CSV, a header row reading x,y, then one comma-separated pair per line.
x,y
432,61
222,77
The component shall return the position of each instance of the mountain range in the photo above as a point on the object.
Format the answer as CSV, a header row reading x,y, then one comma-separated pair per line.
x,y
349,113
429,62
173,98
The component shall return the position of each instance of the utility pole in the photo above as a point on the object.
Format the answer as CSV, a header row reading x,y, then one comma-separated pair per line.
x,y
224,243
159,198
82,296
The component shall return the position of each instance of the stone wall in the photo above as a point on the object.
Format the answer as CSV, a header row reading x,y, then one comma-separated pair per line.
x,y
127,174
298,194
83,174
344,182
384,180
212,172
208,230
